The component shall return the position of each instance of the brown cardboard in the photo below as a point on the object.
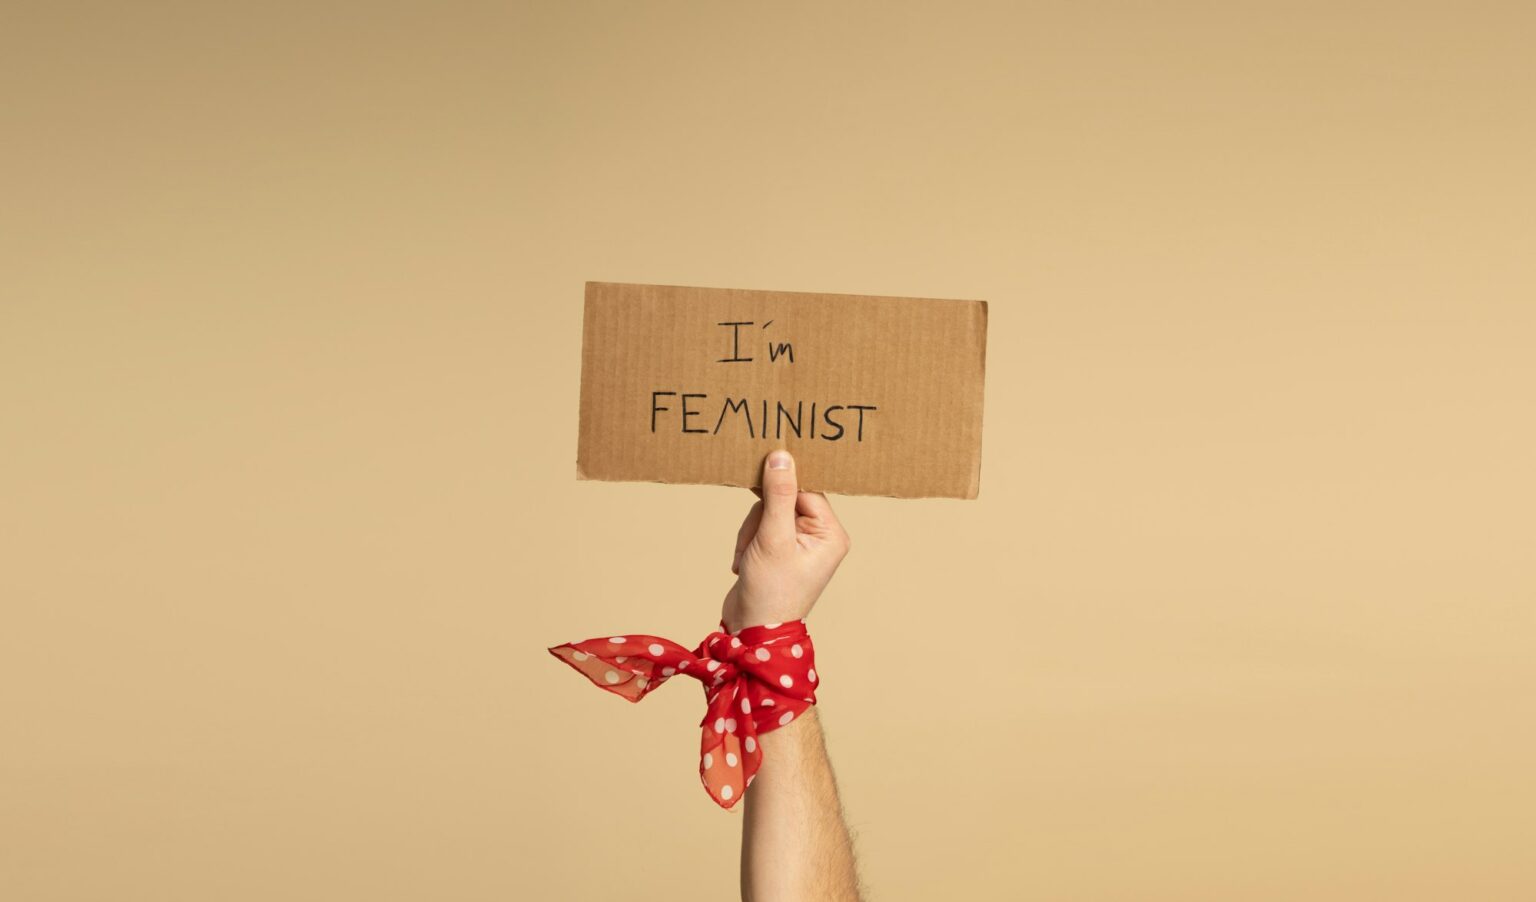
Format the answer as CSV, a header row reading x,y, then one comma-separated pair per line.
x,y
896,385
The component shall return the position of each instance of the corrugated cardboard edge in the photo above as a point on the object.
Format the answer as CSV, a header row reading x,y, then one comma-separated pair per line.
x,y
974,490
581,376
981,442
824,294
580,477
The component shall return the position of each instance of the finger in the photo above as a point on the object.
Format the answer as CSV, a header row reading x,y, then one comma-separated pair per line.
x,y
780,489
819,518
745,533
815,504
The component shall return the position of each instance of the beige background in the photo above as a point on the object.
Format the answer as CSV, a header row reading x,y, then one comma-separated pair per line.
x,y
289,345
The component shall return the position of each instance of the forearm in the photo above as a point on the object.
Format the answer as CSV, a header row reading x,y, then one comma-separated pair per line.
x,y
794,843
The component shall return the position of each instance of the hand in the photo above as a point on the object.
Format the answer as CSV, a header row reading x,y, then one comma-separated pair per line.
x,y
786,552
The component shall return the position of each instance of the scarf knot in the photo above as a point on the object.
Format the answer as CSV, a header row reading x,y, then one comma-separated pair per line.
x,y
755,681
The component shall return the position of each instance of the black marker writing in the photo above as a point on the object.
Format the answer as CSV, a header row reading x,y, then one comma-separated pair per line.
x,y
782,348
861,408
654,408
776,350
693,413
738,406
827,422
827,415
735,343
783,414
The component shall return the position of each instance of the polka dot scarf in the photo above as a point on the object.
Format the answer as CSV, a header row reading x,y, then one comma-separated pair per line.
x,y
755,681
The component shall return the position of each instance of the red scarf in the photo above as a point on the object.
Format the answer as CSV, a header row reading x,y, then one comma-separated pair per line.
x,y
755,681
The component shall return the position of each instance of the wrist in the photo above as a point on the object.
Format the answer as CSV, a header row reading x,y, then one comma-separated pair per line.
x,y
739,612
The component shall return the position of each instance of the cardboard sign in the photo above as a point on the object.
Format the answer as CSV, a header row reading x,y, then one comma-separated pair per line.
x,y
873,395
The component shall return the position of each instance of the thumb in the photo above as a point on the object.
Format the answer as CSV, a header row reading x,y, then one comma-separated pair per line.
x,y
780,488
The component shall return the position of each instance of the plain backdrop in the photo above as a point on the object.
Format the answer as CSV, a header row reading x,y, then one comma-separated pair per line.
x,y
290,308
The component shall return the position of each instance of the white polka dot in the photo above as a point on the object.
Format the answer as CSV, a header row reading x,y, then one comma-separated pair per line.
x,y
622,658
751,744
788,716
762,654
735,642
683,665
719,725
712,666
796,650
709,760
611,676
746,706
750,779
767,703
773,626
811,674
715,641
618,640
786,681
642,682
580,655
730,724
668,671
726,791
731,759
655,649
